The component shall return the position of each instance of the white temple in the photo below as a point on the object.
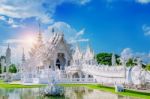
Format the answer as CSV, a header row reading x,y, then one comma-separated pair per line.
x,y
55,59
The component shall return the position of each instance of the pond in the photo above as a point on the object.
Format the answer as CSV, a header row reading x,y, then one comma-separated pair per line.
x,y
70,93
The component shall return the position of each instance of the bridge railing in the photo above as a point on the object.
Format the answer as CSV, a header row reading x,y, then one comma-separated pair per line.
x,y
76,80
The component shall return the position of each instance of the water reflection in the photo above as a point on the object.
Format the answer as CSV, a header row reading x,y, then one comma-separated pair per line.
x,y
70,93
84,93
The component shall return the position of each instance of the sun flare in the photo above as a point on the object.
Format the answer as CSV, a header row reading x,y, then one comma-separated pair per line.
x,y
29,40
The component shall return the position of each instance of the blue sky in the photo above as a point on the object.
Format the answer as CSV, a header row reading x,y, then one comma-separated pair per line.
x,y
110,26
107,25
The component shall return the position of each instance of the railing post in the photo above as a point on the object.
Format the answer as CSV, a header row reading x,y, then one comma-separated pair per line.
x,y
86,78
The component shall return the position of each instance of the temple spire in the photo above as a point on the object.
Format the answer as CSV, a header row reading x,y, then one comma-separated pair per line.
x,y
8,45
8,56
39,28
40,38
39,44
89,49
77,48
89,53
113,60
23,56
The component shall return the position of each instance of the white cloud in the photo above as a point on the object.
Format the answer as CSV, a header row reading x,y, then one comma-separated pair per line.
x,y
79,38
11,22
146,30
14,26
2,50
71,34
84,1
2,18
137,1
143,1
81,32
40,9
22,8
144,56
82,40
126,53
13,41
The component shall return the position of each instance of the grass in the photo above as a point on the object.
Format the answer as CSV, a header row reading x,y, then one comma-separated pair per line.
x,y
130,93
7,85
1,81
20,86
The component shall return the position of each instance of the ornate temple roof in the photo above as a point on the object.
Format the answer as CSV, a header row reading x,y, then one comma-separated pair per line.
x,y
57,41
77,54
89,54
8,51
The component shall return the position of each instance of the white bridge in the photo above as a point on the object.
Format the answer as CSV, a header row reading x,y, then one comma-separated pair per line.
x,y
90,74
100,74
113,74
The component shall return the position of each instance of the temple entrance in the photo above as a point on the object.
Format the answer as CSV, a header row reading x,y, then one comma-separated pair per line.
x,y
76,75
61,61
58,63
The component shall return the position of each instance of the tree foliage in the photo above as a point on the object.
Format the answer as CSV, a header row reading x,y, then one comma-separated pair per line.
x,y
131,62
0,69
12,68
147,67
105,58
5,69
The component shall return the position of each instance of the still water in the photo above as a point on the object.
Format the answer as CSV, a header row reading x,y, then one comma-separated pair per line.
x,y
70,93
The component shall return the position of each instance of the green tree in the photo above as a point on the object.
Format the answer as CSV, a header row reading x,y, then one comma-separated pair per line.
x,y
147,67
5,69
12,68
0,69
131,62
105,58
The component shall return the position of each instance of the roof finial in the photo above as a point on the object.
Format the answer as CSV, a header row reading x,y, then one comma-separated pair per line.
x,y
8,45
23,50
39,27
77,47
23,56
89,46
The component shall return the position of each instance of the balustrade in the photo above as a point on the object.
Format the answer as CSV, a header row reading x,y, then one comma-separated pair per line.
x,y
76,80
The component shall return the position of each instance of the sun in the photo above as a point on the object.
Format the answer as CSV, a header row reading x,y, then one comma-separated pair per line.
x,y
29,40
